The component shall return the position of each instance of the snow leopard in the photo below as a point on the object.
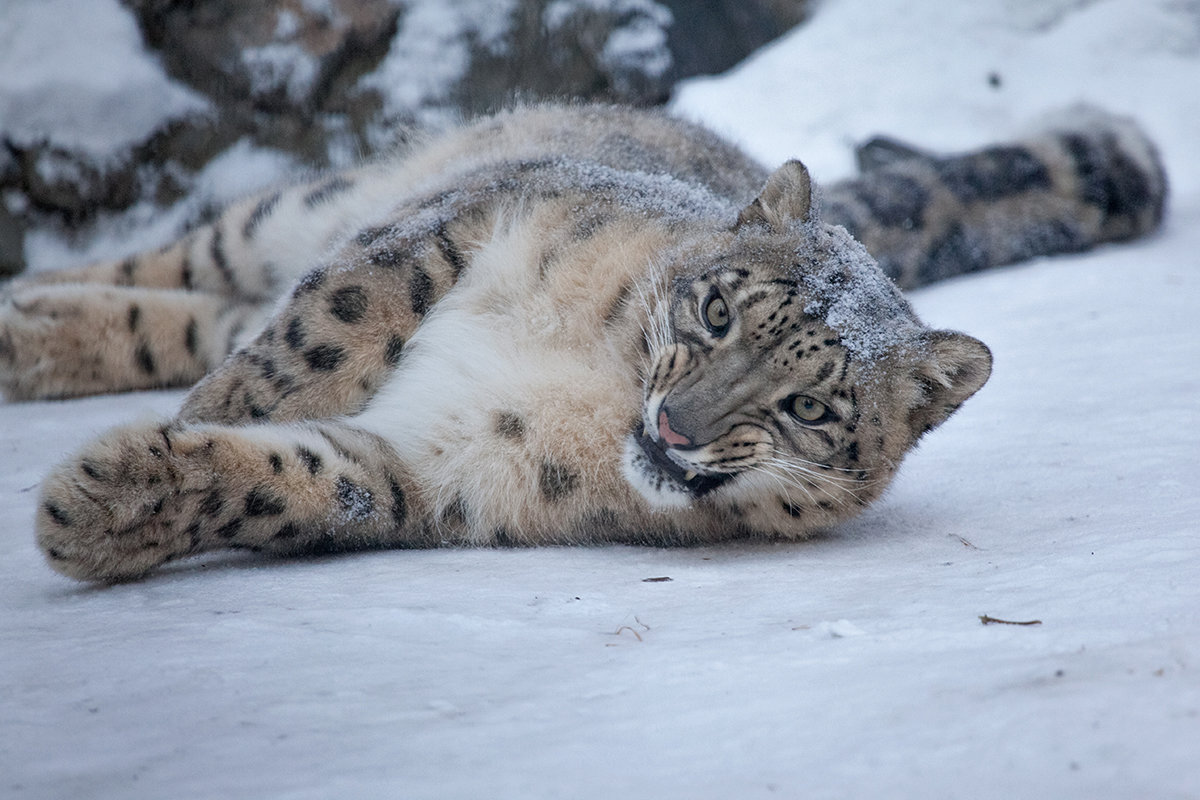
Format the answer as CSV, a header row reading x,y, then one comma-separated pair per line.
x,y
558,324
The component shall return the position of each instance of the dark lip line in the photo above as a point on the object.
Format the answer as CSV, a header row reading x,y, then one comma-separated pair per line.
x,y
697,486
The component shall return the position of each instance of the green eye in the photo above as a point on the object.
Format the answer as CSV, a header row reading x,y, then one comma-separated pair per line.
x,y
715,314
806,409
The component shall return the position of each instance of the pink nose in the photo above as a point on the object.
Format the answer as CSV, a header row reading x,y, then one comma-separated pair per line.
x,y
666,434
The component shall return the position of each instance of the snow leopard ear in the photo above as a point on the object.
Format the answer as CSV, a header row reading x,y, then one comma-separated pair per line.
x,y
954,368
786,198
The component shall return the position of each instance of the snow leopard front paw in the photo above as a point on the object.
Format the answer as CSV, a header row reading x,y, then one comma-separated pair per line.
x,y
127,503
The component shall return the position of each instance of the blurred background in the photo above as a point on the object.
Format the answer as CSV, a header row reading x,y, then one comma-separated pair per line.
x,y
155,112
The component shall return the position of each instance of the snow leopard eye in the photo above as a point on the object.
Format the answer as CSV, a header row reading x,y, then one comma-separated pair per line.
x,y
714,313
807,410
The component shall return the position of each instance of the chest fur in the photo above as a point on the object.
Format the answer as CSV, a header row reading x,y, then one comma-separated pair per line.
x,y
517,392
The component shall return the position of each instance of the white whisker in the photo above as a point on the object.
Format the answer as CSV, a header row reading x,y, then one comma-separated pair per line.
x,y
836,488
800,466
796,459
786,482
807,485
656,305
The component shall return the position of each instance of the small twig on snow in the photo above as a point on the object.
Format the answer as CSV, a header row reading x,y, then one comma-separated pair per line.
x,y
986,620
636,635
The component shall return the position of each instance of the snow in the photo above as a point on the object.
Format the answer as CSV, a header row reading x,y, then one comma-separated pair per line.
x,y
431,51
637,45
75,74
75,71
847,290
278,65
853,665
920,71
640,44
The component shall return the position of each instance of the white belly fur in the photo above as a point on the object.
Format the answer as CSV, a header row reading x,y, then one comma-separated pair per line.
x,y
498,343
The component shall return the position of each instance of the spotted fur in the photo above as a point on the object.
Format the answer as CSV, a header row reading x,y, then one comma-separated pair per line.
x,y
555,325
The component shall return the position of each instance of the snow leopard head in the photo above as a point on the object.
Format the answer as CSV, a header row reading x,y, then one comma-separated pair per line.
x,y
788,375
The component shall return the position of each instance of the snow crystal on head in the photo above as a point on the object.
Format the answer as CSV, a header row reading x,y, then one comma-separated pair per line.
x,y
848,290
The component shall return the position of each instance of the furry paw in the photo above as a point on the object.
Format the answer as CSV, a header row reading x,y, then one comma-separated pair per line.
x,y
69,340
28,331
126,503
144,494
50,346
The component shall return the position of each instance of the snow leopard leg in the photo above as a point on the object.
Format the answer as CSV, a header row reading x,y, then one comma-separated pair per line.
x,y
67,340
145,494
334,342
202,290
1089,179
153,321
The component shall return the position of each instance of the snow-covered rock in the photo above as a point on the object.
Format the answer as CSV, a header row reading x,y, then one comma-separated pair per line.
x,y
108,108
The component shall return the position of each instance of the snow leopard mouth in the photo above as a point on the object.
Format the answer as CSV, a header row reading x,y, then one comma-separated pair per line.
x,y
690,481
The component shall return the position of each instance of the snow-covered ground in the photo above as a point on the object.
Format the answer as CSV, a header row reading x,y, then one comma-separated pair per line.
x,y
853,665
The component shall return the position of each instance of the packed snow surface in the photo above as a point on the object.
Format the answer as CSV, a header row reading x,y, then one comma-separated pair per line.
x,y
852,665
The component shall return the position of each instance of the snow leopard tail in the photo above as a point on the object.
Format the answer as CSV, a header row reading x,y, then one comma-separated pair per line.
x,y
1089,177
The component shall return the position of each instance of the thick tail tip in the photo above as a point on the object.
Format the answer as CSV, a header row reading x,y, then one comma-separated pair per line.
x,y
1119,168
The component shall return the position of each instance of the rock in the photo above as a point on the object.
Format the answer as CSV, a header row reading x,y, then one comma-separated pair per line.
x,y
12,243
323,83
713,36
